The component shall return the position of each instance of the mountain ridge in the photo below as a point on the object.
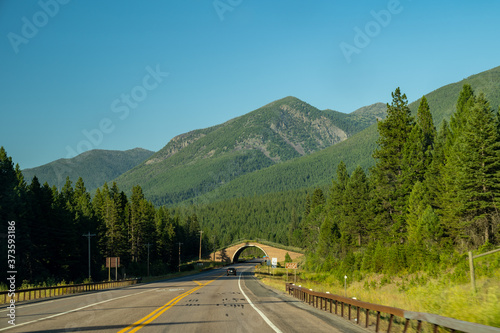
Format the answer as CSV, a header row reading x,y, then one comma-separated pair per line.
x,y
94,166
318,169
277,132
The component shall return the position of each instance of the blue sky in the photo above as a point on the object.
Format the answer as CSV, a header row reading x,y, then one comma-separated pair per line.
x,y
78,75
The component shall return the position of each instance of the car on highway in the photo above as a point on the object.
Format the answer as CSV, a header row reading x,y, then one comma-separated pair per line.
x,y
231,271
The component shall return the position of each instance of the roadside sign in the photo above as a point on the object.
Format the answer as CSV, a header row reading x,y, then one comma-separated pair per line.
x,y
268,262
112,262
275,262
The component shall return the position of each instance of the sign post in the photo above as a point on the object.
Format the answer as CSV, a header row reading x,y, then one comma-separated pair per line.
x,y
274,263
110,263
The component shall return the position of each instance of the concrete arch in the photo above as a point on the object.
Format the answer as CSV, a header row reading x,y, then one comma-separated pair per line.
x,y
237,253
231,253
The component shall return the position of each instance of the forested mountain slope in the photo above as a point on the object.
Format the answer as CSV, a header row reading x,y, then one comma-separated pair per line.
x,y
94,166
318,169
200,161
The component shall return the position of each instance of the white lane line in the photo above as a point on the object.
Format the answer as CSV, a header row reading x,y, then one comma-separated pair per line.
x,y
73,310
270,323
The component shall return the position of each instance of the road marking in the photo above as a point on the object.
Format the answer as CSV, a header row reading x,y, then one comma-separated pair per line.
x,y
158,312
269,322
73,310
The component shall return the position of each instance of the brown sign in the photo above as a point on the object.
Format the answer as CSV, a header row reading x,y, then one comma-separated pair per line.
x,y
291,265
112,262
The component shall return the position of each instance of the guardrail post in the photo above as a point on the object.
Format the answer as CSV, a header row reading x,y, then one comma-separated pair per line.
x,y
390,323
407,322
377,325
367,318
357,314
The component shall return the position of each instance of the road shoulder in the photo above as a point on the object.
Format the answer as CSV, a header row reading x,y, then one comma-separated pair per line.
x,y
269,298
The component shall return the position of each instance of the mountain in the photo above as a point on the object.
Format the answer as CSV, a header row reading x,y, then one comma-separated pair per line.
x,y
442,101
200,161
94,166
318,169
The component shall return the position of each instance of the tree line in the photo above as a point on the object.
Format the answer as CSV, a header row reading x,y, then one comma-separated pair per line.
x,y
431,195
51,224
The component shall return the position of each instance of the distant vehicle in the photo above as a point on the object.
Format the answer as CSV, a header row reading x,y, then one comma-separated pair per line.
x,y
231,271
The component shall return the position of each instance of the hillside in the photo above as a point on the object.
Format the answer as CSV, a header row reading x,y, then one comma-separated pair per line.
x,y
319,168
94,166
200,161
442,101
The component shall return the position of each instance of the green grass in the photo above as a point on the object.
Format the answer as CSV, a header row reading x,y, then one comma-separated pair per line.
x,y
416,292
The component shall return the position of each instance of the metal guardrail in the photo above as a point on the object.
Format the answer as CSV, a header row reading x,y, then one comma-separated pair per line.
x,y
331,302
44,292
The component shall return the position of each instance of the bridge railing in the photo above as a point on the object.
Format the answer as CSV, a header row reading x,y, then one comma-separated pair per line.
x,y
44,292
346,306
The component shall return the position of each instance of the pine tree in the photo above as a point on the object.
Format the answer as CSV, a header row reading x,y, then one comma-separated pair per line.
x,y
356,201
424,120
472,176
466,100
434,176
389,196
165,235
417,152
312,222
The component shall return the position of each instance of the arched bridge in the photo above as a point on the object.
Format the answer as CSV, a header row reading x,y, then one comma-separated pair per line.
x,y
232,253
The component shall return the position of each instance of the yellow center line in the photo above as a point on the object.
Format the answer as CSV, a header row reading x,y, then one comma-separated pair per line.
x,y
158,312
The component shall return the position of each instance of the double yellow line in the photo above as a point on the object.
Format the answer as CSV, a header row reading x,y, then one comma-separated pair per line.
x,y
158,312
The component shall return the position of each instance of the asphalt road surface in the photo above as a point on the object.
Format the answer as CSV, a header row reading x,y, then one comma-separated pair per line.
x,y
205,302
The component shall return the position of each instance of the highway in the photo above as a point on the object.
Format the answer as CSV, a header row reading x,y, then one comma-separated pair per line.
x,y
204,302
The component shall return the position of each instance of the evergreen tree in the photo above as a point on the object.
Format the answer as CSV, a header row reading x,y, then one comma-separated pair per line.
x,y
314,220
356,201
165,235
472,176
424,120
389,195
466,100
434,176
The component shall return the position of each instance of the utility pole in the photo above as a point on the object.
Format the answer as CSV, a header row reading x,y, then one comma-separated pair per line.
x,y
148,245
88,235
201,233
180,256
213,241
